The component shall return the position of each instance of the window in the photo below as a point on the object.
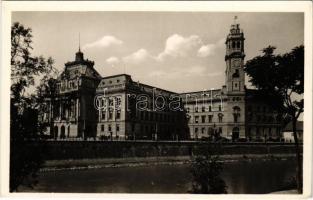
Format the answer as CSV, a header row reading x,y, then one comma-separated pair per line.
x,y
102,128
151,116
249,133
109,128
118,102
118,114
203,109
210,108
235,118
233,45
117,80
278,131
188,118
219,107
117,127
103,115
196,130
188,110
133,127
196,119
236,113
196,109
220,130
238,45
102,102
110,113
141,115
203,118
110,102
210,118
236,75
211,131
220,117
258,132
202,130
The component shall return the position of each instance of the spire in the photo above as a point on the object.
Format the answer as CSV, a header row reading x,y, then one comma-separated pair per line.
x,y
79,55
79,42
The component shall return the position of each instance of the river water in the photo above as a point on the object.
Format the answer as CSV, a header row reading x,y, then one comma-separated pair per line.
x,y
257,177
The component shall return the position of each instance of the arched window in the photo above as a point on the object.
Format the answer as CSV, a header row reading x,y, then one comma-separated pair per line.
x,y
236,109
236,113
220,117
233,45
236,74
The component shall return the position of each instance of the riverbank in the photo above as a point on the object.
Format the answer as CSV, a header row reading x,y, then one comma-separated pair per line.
x,y
83,164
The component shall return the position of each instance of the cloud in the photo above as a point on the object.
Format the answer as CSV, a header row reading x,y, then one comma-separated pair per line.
x,y
197,70
112,60
104,42
206,50
137,57
179,46
209,49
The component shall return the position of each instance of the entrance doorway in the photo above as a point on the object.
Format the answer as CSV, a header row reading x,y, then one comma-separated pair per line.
x,y
62,136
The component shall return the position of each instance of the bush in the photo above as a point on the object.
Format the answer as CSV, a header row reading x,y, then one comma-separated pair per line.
x,y
206,175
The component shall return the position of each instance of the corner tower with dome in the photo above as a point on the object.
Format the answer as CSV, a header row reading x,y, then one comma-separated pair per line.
x,y
72,113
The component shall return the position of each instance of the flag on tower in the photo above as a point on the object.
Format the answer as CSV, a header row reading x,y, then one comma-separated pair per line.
x,y
236,17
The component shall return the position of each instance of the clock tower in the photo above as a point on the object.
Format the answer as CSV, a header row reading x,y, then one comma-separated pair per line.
x,y
235,76
235,82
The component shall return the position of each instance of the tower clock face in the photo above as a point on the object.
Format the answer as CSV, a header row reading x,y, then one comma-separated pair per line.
x,y
236,62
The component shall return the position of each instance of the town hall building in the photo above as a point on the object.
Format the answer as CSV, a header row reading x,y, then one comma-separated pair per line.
x,y
87,105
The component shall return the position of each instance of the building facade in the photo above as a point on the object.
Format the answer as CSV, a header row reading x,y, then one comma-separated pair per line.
x,y
87,105
232,112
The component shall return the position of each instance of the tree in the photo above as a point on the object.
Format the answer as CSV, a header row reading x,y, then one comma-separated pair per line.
x,y
281,77
206,175
25,160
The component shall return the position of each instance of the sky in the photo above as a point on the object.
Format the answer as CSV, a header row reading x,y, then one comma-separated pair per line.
x,y
177,51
